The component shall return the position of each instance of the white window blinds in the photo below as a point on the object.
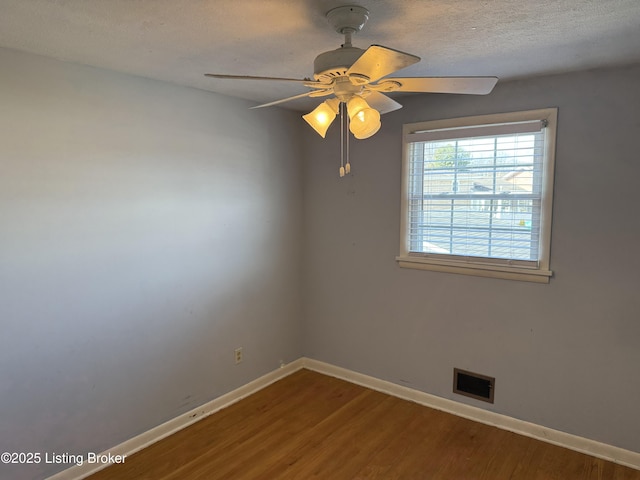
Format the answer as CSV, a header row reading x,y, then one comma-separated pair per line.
x,y
477,192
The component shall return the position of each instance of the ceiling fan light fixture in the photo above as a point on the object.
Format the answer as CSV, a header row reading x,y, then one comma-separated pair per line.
x,y
323,116
364,121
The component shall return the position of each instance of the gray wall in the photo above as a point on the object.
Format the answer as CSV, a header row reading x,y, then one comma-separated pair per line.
x,y
565,355
146,230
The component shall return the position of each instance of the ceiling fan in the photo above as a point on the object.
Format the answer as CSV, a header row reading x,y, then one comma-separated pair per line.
x,y
358,80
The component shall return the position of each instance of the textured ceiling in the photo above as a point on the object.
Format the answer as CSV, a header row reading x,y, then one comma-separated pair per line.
x,y
180,40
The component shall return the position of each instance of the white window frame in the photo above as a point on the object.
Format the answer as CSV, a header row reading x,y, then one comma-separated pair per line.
x,y
511,270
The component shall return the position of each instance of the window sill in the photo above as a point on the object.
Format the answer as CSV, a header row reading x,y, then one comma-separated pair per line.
x,y
479,270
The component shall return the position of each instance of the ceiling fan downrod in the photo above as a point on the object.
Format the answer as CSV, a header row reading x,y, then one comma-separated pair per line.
x,y
347,39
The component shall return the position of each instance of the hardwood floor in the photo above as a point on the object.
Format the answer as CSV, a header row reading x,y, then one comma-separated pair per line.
x,y
310,425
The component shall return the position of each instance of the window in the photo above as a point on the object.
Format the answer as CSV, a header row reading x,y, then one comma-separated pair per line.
x,y
477,195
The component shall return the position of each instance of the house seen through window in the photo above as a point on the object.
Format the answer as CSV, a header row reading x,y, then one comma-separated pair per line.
x,y
477,195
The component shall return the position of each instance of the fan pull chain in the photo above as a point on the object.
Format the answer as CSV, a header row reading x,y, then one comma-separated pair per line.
x,y
342,124
347,168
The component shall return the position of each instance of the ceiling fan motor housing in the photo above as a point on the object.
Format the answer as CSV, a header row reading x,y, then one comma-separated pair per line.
x,y
335,63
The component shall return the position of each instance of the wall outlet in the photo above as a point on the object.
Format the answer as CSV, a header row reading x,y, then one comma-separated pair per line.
x,y
238,355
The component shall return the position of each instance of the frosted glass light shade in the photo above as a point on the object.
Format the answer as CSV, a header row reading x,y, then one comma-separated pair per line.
x,y
364,121
323,115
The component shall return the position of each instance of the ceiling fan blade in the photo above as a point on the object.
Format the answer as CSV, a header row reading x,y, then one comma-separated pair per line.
x,y
465,85
381,102
378,61
250,77
302,95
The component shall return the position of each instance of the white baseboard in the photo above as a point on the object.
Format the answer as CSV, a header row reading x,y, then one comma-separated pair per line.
x,y
170,427
556,437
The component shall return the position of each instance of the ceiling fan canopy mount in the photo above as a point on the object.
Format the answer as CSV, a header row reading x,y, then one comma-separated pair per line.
x,y
347,19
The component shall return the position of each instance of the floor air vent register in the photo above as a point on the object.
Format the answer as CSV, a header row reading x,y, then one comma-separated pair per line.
x,y
473,385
